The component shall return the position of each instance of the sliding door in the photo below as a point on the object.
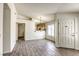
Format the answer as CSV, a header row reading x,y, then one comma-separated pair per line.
x,y
50,32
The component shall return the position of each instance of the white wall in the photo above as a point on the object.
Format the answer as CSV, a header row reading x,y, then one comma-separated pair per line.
x,y
1,29
56,32
13,25
30,33
77,32
6,29
12,29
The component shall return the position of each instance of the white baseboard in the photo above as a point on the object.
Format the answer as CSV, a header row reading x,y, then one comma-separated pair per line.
x,y
57,45
10,49
76,48
13,46
36,39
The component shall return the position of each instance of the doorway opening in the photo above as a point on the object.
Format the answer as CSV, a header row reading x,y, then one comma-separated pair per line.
x,y
21,31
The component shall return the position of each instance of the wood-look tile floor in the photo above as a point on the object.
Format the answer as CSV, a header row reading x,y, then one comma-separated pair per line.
x,y
40,48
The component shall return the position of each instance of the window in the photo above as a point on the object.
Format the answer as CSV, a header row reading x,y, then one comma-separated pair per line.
x,y
50,30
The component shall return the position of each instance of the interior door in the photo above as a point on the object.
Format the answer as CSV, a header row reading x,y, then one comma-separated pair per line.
x,y
67,32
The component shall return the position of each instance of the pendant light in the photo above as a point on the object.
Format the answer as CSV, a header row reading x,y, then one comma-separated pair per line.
x,y
40,26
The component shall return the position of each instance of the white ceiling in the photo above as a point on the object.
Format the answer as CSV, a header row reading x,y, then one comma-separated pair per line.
x,y
45,10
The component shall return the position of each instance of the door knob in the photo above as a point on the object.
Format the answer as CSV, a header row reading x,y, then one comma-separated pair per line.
x,y
73,35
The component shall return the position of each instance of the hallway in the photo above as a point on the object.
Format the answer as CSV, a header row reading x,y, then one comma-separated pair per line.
x,y
40,48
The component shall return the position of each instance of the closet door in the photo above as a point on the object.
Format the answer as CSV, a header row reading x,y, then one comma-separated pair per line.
x,y
67,32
